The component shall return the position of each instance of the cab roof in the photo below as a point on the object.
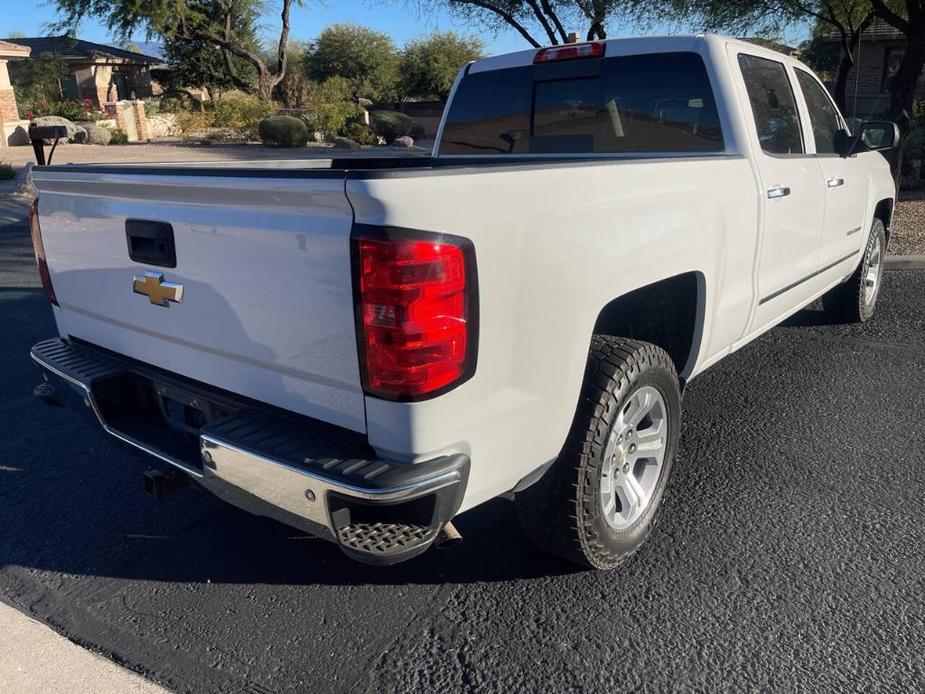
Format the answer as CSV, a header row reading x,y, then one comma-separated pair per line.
x,y
699,43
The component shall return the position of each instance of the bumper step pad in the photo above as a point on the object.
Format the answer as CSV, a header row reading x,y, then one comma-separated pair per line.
x,y
383,539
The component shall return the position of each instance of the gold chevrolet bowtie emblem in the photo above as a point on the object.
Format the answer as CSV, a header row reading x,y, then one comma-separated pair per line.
x,y
159,292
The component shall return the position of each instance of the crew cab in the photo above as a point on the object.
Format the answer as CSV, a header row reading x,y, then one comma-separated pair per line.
x,y
364,348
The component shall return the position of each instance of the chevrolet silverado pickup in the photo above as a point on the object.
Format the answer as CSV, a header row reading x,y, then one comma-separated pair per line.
x,y
365,348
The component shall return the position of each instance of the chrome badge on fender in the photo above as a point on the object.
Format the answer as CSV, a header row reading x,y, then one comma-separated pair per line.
x,y
159,292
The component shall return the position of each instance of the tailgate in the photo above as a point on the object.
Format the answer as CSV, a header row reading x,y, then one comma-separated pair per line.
x,y
264,262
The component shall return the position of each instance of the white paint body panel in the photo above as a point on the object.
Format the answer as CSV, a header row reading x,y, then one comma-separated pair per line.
x,y
268,308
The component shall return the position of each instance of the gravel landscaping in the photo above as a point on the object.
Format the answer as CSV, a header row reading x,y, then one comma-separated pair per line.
x,y
908,228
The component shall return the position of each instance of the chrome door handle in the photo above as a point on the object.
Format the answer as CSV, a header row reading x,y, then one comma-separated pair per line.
x,y
778,192
834,182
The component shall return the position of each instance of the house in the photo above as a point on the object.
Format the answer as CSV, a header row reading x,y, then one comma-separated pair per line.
x,y
880,52
12,129
94,71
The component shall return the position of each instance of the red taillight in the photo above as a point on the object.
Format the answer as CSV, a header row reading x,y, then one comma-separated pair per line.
x,y
417,313
570,51
40,251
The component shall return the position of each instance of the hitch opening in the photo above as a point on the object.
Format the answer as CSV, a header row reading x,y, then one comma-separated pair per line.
x,y
161,482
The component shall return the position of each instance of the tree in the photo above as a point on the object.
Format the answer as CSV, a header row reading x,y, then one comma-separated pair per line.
x,y
215,22
847,19
199,63
292,92
541,22
364,57
430,65
908,16
37,82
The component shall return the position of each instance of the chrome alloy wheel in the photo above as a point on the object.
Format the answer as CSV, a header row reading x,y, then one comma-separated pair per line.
x,y
874,273
634,457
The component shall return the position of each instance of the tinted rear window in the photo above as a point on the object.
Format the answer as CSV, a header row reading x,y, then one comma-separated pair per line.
x,y
661,102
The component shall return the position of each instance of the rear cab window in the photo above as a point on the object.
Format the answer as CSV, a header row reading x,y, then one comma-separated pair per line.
x,y
649,103
770,94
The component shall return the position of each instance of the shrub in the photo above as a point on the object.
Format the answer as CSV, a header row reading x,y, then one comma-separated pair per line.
x,y
118,137
417,131
330,106
360,133
151,108
283,131
192,124
240,116
7,172
175,103
390,124
72,110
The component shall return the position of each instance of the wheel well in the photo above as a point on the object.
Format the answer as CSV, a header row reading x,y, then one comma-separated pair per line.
x,y
884,212
667,313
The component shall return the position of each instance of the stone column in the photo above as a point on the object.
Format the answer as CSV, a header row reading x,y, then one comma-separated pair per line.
x,y
141,120
13,131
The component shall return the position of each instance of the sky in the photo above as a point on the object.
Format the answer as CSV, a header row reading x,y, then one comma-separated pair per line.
x,y
394,17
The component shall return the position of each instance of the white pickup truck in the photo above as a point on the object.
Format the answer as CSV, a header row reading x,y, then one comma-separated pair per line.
x,y
364,348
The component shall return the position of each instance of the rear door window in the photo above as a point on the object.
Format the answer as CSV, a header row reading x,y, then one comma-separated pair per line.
x,y
773,105
661,102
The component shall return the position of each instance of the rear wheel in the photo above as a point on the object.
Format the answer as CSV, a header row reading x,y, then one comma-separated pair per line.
x,y
856,300
599,500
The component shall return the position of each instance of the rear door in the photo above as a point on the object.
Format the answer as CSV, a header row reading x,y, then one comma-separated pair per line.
x,y
791,187
266,306
845,177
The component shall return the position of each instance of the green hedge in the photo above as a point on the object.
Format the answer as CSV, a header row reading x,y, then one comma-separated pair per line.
x,y
283,131
390,124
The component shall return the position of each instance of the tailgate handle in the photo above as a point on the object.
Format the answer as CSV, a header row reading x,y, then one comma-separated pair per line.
x,y
150,243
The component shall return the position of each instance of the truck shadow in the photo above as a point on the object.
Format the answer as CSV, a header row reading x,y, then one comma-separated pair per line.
x,y
72,502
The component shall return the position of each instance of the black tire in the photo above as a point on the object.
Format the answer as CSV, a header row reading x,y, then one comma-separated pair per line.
x,y
849,302
562,512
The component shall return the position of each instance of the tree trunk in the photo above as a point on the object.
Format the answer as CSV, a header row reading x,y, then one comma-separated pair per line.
x,y
903,85
265,86
902,93
845,63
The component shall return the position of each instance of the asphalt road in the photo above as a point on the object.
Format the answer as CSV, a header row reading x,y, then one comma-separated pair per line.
x,y
790,553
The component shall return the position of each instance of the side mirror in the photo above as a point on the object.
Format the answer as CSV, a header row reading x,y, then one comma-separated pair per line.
x,y
873,136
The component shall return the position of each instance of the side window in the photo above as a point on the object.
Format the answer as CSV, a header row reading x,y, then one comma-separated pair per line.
x,y
822,114
773,105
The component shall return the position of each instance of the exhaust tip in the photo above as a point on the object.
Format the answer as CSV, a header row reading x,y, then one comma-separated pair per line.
x,y
448,537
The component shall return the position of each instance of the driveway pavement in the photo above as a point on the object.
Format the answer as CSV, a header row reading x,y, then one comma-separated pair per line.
x,y
790,555
36,660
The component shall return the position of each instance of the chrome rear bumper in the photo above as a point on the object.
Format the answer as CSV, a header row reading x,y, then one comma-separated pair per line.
x,y
301,474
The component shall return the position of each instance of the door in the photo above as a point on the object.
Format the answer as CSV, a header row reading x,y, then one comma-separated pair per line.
x,y
792,189
845,178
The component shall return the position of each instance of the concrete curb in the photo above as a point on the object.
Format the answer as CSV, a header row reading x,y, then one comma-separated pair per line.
x,y
904,262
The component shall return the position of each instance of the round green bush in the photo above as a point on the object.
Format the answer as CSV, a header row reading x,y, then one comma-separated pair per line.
x,y
360,132
390,124
283,131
